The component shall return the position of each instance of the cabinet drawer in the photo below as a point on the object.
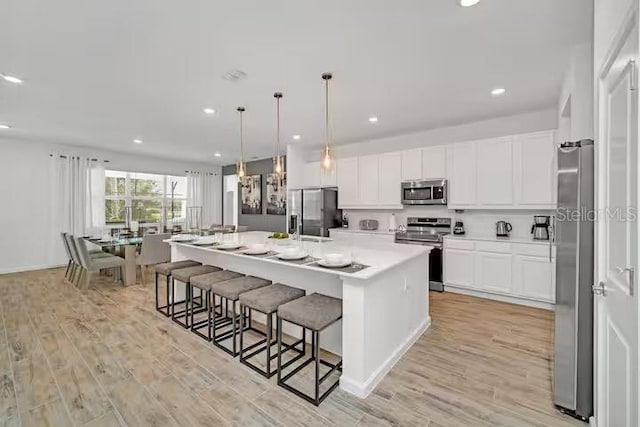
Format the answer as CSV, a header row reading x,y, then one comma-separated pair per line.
x,y
533,250
500,247
459,244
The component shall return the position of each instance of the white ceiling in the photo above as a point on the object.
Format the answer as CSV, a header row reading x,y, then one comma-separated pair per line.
x,y
101,73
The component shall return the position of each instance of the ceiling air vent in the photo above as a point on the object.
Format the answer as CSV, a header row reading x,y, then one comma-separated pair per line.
x,y
234,75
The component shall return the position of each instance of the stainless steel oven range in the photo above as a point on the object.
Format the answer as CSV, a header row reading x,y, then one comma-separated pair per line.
x,y
428,231
432,192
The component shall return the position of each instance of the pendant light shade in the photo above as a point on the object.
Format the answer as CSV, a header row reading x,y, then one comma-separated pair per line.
x,y
327,161
241,167
278,162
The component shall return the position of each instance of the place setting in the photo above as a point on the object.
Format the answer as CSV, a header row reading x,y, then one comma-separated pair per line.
x,y
295,255
205,241
341,262
258,250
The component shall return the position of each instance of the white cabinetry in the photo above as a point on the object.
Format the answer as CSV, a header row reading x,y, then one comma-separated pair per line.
x,y
368,171
461,167
389,179
522,273
495,172
412,164
535,170
434,162
458,265
314,176
347,179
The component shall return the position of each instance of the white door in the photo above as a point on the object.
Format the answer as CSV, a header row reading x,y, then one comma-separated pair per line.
x,y
434,162
617,240
495,172
347,180
368,180
390,177
461,166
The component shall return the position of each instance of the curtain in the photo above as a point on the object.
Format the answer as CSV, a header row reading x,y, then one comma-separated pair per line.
x,y
204,191
76,201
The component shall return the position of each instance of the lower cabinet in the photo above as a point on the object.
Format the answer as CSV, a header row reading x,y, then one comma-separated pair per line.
x,y
459,267
522,271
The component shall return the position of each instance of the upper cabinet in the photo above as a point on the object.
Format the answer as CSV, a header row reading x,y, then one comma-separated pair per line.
x,y
370,182
535,171
495,172
462,174
514,172
390,177
434,162
347,178
412,165
368,172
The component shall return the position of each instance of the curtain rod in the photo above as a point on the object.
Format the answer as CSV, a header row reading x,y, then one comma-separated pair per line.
x,y
62,156
202,173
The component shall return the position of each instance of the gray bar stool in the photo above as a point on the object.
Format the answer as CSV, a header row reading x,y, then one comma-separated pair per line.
x,y
204,283
315,312
266,300
165,269
230,290
184,275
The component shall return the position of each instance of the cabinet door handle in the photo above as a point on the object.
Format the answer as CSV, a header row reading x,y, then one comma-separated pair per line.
x,y
599,289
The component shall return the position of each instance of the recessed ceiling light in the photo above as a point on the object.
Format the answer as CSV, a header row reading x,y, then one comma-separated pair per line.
x,y
217,154
296,137
209,111
468,3
373,119
498,91
137,141
5,127
11,79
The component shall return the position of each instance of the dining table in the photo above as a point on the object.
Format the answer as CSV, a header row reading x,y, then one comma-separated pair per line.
x,y
129,246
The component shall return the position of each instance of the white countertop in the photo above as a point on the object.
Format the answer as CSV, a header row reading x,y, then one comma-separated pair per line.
x,y
355,230
489,238
379,256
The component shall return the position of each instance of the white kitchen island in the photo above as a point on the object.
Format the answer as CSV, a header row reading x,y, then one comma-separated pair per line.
x,y
385,306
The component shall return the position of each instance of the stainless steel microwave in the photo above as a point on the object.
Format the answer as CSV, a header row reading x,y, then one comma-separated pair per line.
x,y
432,192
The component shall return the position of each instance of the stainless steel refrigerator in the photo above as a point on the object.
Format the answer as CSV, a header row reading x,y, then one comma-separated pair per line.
x,y
573,361
318,208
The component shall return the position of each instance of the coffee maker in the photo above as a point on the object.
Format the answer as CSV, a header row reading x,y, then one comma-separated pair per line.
x,y
540,227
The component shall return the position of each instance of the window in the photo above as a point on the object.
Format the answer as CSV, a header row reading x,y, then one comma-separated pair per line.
x,y
147,198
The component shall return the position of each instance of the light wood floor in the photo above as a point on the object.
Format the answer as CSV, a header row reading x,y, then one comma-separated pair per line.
x,y
104,357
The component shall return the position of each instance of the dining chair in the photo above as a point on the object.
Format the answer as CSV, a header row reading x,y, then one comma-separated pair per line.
x,y
70,264
154,251
91,265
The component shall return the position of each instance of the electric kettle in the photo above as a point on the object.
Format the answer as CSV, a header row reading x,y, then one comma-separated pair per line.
x,y
503,229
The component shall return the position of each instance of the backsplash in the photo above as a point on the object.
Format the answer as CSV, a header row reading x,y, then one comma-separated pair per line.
x,y
476,222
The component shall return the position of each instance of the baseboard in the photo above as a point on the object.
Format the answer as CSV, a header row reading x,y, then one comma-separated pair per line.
x,y
29,268
592,421
502,298
362,390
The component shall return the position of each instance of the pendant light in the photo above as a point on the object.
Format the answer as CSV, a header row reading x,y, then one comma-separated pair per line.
x,y
278,164
241,167
327,161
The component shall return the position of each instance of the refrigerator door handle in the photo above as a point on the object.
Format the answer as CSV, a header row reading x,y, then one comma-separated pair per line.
x,y
632,277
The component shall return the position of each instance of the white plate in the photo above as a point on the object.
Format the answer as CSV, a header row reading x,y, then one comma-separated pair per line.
x,y
229,246
292,256
343,263
182,239
204,242
257,251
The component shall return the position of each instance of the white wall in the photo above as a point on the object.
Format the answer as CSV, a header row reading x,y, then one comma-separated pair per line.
x,y
608,16
24,168
576,97
520,123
